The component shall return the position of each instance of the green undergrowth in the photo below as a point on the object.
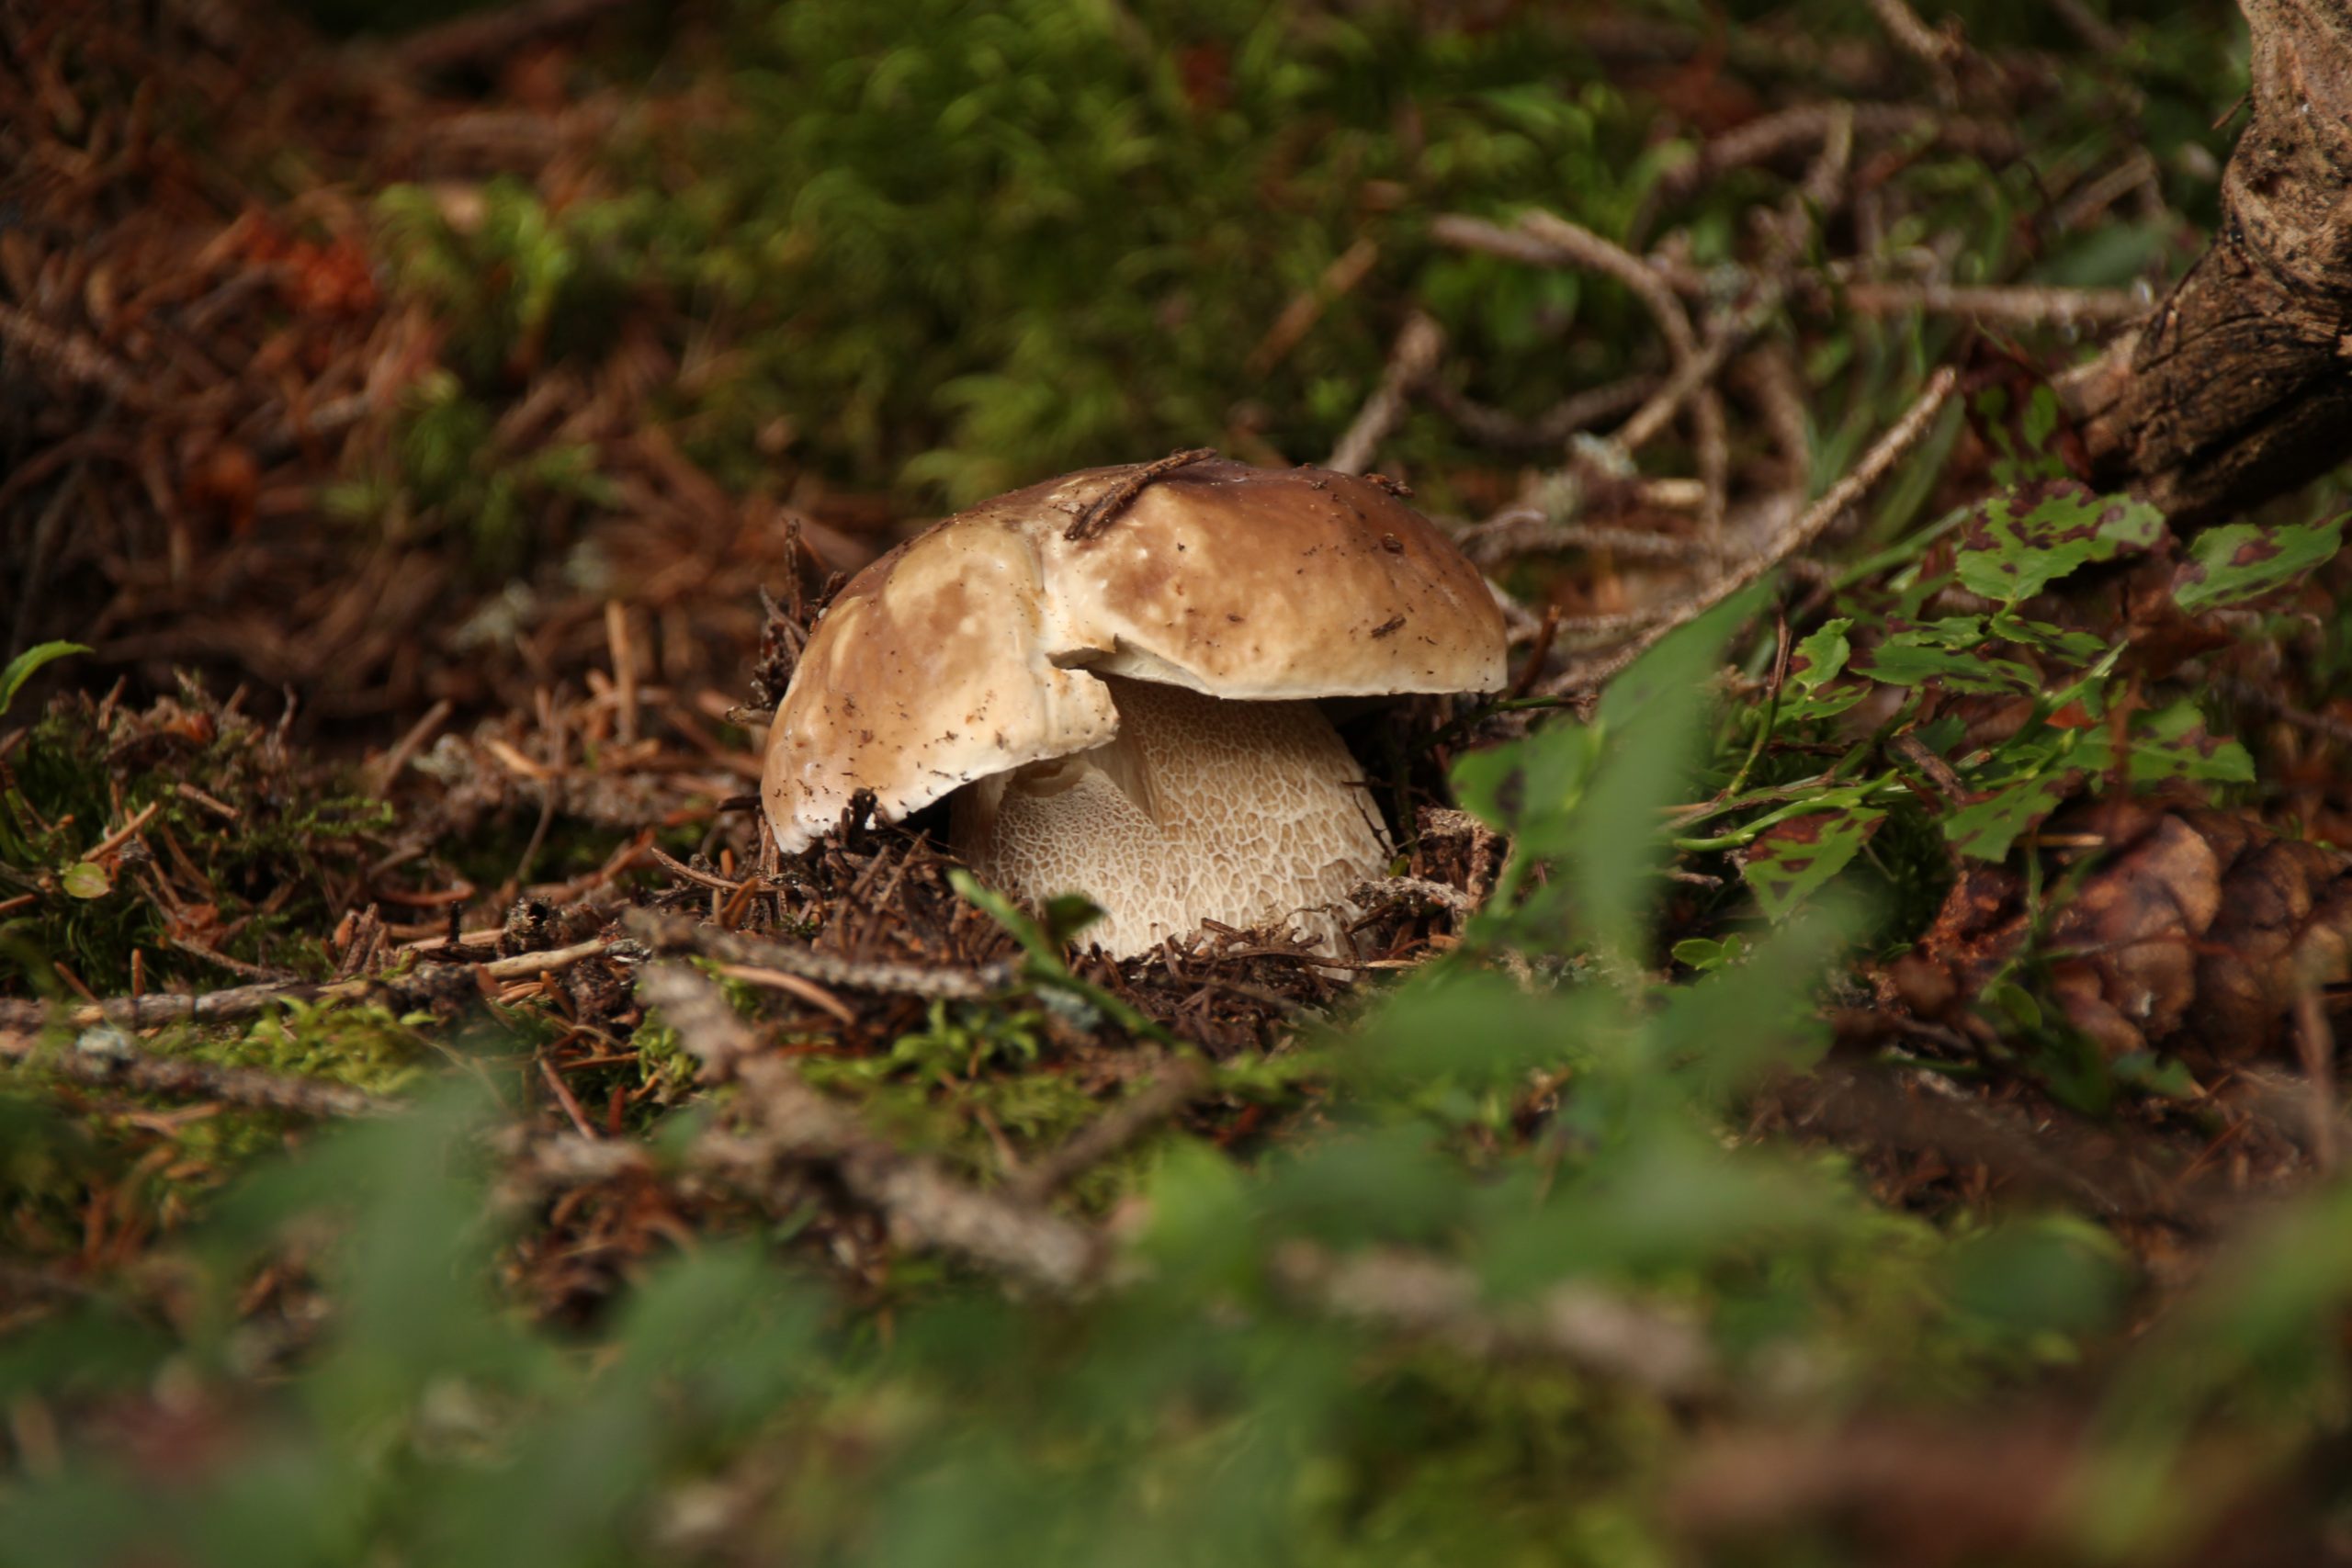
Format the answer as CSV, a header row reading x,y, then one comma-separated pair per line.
x,y
149,1163
1203,1405
945,250
259,885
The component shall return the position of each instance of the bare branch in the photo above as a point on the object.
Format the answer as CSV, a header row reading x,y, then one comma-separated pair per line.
x,y
1418,343
1651,1347
683,934
1889,450
923,1205
107,1057
1181,1083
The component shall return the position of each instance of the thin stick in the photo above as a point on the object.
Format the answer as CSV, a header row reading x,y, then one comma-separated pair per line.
x,y
1627,1341
1115,1129
624,660
381,773
1107,506
793,1122
1556,241
1889,450
1418,343
791,984
493,34
2019,305
109,1058
1521,530
237,1003
546,963
1939,51
123,834
1578,410
686,872
1574,244
565,1097
1412,890
679,933
1298,318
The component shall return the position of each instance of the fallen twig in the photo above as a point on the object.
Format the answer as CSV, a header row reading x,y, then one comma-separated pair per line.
x,y
1105,508
238,1003
1790,130
495,34
1592,1329
1578,410
1889,449
683,934
1176,1088
923,1205
1415,356
106,1057
1410,890
1523,530
2018,305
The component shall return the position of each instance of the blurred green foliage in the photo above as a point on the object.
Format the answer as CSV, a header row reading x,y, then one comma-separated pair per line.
x,y
1196,1408
953,248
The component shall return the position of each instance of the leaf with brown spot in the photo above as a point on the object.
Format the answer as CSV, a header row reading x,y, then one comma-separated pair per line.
x,y
2242,562
2019,544
1791,861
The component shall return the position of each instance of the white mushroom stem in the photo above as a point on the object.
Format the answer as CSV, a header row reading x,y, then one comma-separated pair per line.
x,y
1245,813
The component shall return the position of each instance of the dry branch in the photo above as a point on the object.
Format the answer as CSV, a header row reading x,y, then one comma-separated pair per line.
x,y
1653,625
107,1057
2023,304
1589,1328
1177,1086
681,933
790,1121
238,1003
1418,343
496,33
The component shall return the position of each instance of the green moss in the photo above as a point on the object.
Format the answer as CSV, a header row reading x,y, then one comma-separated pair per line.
x,y
262,874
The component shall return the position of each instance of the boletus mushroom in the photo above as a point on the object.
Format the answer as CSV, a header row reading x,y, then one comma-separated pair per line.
x,y
1115,674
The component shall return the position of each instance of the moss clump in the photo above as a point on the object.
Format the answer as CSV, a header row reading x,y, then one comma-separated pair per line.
x,y
240,851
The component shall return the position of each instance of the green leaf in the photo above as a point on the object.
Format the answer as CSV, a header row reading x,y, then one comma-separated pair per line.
x,y
1066,914
20,669
1654,717
2166,1077
1042,962
87,879
2015,1002
1791,861
2173,744
1705,953
2052,1272
1527,789
1821,657
1913,657
2019,544
2242,562
1986,829
2078,647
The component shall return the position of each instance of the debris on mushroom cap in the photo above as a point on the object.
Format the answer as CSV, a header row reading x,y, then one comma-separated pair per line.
x,y
974,648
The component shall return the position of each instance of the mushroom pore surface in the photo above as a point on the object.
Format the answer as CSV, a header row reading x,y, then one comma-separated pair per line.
x,y
1200,808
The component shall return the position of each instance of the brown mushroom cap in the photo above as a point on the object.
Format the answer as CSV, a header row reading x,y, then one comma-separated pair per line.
x,y
964,653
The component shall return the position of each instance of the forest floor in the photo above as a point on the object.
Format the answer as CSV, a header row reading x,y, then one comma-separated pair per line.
x,y
1842,1068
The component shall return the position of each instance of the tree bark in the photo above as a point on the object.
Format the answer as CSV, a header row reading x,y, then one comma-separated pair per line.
x,y
2240,387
